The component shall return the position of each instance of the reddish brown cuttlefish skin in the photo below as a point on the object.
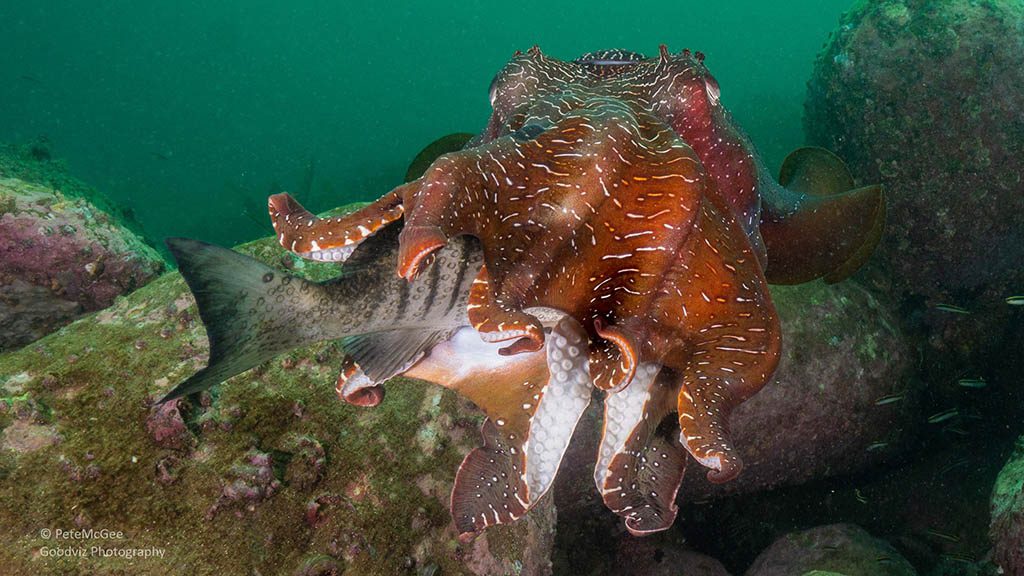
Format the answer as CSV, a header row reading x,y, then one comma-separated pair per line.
x,y
615,190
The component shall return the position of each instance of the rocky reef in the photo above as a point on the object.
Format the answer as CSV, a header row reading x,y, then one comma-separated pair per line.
x,y
63,251
1007,530
835,549
925,97
272,467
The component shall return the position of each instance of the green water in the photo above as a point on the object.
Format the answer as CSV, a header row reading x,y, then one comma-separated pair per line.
x,y
190,113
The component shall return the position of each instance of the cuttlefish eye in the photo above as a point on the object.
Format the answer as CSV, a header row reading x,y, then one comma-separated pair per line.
x,y
712,89
492,90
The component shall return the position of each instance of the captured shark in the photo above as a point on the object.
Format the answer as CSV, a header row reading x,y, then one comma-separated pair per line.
x,y
253,313
389,326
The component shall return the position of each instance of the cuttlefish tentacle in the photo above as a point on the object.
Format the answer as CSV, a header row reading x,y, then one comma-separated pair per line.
x,y
330,239
533,402
640,462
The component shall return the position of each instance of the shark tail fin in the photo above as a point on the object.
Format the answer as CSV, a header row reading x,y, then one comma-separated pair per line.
x,y
250,310
816,225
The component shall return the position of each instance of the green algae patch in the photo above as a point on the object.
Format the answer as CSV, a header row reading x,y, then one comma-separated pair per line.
x,y
268,473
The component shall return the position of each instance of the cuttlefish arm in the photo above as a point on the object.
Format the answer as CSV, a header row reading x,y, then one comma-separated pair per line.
x,y
641,461
533,402
329,239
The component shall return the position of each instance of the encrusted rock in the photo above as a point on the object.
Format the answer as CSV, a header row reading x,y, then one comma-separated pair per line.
x,y
925,97
61,257
1007,529
167,427
845,549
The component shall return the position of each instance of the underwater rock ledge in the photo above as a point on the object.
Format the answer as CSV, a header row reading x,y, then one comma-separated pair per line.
x,y
271,473
61,257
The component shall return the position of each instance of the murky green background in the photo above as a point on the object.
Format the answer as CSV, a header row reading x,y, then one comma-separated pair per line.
x,y
191,112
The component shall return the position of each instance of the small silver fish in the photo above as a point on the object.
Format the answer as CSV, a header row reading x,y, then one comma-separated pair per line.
x,y
975,383
955,464
943,535
1015,300
877,446
952,308
943,416
891,399
960,557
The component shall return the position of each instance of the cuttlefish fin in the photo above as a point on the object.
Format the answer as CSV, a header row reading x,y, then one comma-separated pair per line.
x,y
640,463
443,145
533,402
814,224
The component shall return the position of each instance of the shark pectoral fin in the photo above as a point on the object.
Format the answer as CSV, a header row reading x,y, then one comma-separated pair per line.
x,y
383,355
640,463
814,225
443,145
533,402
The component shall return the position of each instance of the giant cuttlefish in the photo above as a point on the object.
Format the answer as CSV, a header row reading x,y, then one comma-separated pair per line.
x,y
611,227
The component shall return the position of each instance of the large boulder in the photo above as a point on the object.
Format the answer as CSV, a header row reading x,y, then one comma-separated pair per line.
x,y
61,257
270,474
926,97
1007,528
844,549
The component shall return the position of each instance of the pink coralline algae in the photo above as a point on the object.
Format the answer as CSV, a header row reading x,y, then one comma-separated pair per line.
x,y
61,258
167,428
250,481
